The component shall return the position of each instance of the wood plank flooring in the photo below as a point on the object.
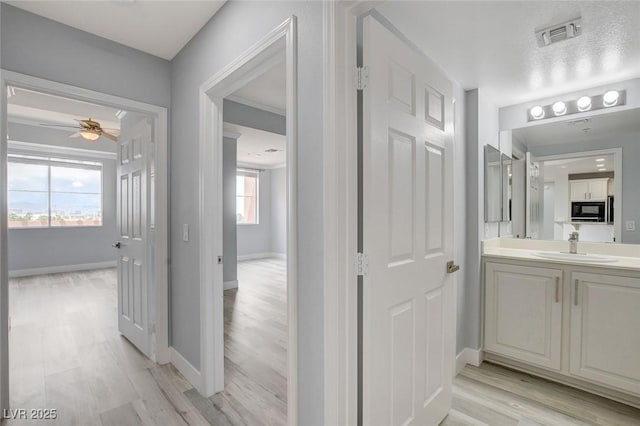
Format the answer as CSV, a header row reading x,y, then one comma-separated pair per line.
x,y
496,396
66,353
255,317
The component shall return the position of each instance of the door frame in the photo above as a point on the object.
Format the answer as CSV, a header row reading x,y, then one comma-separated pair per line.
x,y
261,56
617,184
160,305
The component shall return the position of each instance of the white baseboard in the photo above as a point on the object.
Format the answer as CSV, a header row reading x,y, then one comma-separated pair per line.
x,y
186,369
61,269
230,284
468,356
254,256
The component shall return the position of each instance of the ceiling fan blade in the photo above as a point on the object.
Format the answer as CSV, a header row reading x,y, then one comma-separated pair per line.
x,y
59,125
75,135
109,136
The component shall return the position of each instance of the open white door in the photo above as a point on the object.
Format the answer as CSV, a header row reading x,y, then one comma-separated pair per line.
x,y
132,220
407,323
534,195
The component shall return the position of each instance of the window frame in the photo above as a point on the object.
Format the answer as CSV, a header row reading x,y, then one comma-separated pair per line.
x,y
58,161
249,172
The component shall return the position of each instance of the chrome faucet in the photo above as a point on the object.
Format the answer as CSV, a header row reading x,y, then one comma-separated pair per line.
x,y
573,242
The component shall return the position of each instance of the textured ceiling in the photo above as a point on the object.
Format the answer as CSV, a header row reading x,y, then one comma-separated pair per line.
x,y
491,45
160,28
253,143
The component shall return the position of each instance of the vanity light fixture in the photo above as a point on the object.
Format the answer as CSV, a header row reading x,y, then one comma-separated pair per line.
x,y
584,103
559,108
537,112
610,98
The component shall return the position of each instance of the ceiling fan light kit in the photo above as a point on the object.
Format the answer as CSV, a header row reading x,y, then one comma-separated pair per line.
x,y
89,130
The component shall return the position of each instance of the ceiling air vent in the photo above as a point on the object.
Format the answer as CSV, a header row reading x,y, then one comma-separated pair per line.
x,y
555,33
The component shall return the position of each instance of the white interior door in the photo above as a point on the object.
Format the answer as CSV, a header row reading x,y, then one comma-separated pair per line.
x,y
132,220
408,334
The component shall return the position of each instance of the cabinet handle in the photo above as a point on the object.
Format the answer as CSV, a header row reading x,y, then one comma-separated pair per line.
x,y
557,289
585,195
575,293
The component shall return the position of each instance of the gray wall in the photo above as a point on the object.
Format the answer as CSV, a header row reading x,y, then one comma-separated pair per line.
x,y
255,118
50,247
630,200
255,239
233,30
43,48
229,234
279,210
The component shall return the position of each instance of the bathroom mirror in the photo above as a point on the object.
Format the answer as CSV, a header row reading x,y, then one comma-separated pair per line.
x,y
492,185
507,187
591,176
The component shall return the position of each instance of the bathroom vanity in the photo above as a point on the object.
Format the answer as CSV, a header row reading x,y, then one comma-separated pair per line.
x,y
569,318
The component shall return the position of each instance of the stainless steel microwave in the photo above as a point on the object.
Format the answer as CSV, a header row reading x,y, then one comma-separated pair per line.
x,y
588,211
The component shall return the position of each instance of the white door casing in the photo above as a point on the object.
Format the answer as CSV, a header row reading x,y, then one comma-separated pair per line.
x,y
132,220
408,336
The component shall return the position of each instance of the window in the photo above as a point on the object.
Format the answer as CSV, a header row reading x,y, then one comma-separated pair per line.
x,y
247,196
52,192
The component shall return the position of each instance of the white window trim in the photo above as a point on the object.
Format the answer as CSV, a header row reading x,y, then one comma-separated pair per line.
x,y
244,171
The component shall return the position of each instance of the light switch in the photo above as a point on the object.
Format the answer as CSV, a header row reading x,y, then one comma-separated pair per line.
x,y
185,232
630,225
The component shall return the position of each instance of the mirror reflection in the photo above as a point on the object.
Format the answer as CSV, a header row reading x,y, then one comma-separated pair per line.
x,y
507,186
587,178
492,184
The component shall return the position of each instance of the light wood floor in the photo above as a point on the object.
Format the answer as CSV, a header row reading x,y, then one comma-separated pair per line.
x,y
66,353
496,396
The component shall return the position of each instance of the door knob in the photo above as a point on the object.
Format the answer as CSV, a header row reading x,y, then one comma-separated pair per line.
x,y
452,267
117,244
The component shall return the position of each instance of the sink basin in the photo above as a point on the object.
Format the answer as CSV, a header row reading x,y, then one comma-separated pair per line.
x,y
580,257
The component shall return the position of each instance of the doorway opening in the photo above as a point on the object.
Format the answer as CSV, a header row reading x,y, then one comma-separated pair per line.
x,y
83,257
261,83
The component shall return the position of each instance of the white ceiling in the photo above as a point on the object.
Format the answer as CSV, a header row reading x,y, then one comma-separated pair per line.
x,y
160,28
491,45
578,165
268,90
570,131
30,107
253,143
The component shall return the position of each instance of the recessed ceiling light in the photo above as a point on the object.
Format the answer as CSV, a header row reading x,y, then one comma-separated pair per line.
x,y
599,159
610,98
559,108
584,103
537,112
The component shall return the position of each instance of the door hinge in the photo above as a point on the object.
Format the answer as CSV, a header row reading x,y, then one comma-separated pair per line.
x,y
362,77
362,264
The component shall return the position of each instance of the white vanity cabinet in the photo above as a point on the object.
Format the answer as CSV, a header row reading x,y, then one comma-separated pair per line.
x,y
589,189
577,324
605,330
523,313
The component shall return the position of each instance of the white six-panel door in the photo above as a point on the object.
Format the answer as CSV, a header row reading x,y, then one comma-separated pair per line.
x,y
133,281
408,335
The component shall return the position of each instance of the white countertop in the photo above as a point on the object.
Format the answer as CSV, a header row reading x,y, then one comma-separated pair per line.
x,y
626,256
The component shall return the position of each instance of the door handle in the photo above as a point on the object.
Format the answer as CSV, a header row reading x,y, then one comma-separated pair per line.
x,y
452,267
117,244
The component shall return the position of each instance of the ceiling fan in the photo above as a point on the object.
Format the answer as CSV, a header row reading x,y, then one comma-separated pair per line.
x,y
88,129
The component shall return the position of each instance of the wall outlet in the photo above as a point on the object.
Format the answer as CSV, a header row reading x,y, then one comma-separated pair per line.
x,y
185,232
630,225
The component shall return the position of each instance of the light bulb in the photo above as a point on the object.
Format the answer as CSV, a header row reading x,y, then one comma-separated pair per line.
x,y
537,112
559,108
610,98
584,103
89,135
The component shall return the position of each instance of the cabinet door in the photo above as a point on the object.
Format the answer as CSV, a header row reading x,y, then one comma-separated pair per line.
x,y
605,330
598,190
523,313
579,190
